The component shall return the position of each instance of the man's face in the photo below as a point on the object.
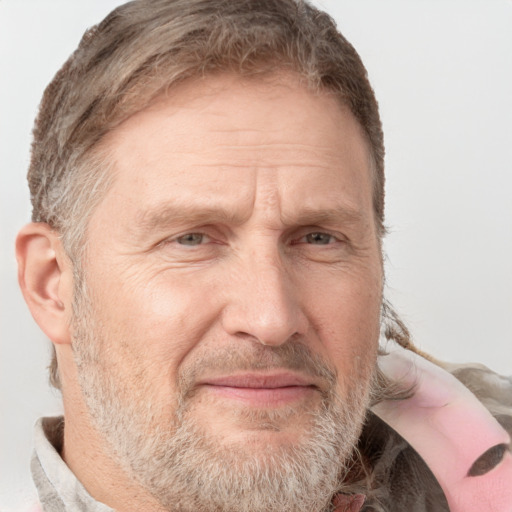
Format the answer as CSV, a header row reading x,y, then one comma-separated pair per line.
x,y
234,282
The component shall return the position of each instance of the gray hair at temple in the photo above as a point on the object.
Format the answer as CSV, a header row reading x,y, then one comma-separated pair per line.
x,y
145,47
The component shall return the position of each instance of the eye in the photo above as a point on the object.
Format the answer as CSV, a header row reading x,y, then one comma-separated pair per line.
x,y
319,238
320,246
192,239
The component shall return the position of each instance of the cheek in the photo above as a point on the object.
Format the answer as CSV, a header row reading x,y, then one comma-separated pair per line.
x,y
346,318
152,324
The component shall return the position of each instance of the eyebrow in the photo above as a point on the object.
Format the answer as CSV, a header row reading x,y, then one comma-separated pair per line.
x,y
189,214
341,215
168,215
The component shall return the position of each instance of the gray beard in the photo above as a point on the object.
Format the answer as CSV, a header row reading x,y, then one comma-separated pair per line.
x,y
190,471
186,468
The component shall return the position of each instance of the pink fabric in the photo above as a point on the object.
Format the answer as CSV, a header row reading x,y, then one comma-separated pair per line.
x,y
449,428
349,502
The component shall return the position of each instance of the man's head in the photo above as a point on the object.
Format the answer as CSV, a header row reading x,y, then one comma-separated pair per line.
x,y
209,176
145,48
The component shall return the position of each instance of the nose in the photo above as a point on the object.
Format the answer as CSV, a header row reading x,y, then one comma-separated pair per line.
x,y
263,302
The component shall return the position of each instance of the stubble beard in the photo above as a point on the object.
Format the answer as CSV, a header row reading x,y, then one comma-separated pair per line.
x,y
189,468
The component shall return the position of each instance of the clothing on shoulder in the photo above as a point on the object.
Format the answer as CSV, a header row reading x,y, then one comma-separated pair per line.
x,y
396,479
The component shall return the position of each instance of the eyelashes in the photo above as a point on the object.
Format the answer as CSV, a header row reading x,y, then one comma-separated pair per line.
x,y
192,239
317,238
197,238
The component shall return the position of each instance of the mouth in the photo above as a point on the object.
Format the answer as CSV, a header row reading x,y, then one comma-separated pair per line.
x,y
262,390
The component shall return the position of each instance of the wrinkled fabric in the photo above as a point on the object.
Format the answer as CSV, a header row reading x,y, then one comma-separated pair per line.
x,y
58,488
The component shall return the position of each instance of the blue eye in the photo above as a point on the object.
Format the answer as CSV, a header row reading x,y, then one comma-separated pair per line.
x,y
319,238
191,239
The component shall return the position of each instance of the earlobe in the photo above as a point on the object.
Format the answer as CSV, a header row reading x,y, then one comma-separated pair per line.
x,y
45,278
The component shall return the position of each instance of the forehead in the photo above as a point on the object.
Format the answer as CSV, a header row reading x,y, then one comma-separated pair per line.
x,y
218,137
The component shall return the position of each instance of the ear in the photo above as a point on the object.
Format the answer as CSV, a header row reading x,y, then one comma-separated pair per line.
x,y
45,275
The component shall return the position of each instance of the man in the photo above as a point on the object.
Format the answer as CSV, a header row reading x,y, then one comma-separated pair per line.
x,y
207,182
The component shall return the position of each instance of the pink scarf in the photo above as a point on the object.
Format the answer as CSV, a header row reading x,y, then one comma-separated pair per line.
x,y
450,429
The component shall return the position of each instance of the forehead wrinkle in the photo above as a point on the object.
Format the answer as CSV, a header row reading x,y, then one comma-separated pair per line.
x,y
342,215
240,142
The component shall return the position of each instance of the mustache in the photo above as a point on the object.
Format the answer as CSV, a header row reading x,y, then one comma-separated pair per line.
x,y
247,357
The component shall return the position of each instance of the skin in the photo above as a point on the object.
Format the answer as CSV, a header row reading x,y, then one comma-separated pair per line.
x,y
240,216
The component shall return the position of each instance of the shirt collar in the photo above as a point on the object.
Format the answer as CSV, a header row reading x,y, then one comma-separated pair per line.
x,y
58,488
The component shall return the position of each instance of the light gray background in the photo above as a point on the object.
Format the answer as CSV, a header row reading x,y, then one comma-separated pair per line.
x,y
442,71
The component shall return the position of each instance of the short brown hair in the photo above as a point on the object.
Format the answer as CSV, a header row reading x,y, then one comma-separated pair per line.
x,y
145,47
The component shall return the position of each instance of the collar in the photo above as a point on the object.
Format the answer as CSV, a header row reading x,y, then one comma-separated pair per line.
x,y
58,488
